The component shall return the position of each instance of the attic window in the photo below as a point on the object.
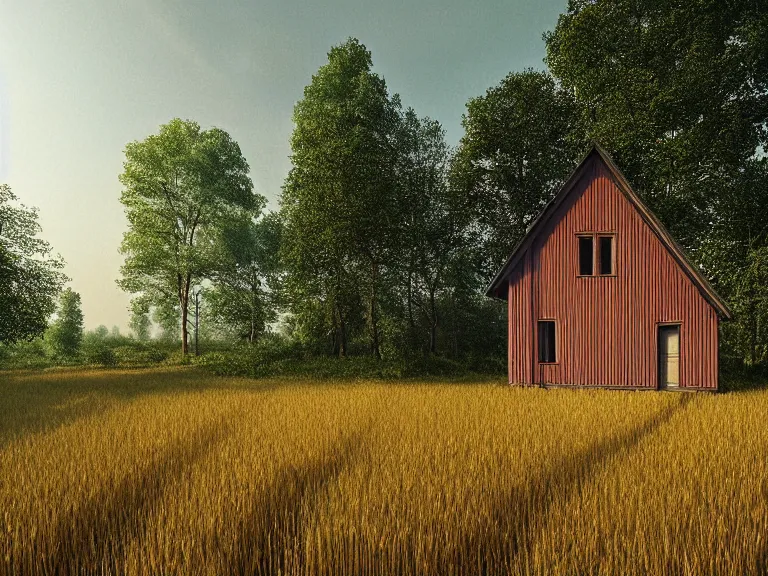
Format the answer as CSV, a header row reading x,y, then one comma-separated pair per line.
x,y
586,256
606,255
596,254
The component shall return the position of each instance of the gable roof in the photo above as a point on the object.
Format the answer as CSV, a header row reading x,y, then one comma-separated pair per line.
x,y
649,217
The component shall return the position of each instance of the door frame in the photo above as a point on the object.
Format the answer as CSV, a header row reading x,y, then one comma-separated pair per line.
x,y
659,325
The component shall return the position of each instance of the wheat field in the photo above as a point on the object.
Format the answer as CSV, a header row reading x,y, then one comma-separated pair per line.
x,y
177,472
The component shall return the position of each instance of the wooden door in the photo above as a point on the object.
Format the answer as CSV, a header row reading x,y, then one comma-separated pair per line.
x,y
669,357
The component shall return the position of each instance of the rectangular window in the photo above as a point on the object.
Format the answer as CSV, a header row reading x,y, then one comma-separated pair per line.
x,y
606,255
586,255
547,341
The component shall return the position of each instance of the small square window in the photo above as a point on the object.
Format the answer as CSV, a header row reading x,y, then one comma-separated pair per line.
x,y
606,255
586,256
547,341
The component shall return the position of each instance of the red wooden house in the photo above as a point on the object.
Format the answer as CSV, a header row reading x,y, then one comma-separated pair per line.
x,y
599,294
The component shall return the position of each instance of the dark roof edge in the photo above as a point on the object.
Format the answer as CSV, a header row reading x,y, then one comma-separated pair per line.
x,y
518,250
650,218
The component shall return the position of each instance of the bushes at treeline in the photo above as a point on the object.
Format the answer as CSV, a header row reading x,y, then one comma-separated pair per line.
x,y
99,347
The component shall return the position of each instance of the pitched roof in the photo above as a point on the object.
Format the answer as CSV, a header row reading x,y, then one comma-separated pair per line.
x,y
649,217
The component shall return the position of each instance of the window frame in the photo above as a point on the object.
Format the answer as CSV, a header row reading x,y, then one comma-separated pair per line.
x,y
596,236
556,337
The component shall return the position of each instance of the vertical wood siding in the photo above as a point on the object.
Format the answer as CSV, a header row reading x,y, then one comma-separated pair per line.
x,y
606,326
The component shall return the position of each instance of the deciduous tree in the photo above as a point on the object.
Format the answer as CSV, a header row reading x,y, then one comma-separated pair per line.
x,y
339,200
243,297
66,332
521,140
182,186
30,277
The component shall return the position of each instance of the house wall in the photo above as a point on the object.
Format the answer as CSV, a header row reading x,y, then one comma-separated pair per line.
x,y
606,326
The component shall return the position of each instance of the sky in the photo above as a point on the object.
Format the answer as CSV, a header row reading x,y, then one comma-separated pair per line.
x,y
81,78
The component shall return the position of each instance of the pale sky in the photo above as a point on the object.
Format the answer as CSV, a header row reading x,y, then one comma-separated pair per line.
x,y
81,78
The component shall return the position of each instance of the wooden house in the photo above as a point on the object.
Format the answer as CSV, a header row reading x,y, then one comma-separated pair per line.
x,y
600,294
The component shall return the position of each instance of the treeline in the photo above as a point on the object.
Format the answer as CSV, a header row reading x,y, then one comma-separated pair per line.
x,y
386,236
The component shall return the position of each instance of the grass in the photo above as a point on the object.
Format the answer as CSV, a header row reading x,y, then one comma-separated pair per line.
x,y
176,472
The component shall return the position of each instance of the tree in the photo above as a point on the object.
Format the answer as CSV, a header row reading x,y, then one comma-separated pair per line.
x,y
521,140
339,200
678,92
167,317
30,278
432,224
139,323
182,186
66,332
243,296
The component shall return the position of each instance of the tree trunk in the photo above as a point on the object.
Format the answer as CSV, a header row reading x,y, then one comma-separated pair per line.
x,y
341,338
432,322
374,320
184,303
184,314
252,335
411,321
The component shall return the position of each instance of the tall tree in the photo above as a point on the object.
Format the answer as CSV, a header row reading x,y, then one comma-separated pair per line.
x,y
339,199
243,296
678,91
521,140
432,223
66,332
182,186
30,277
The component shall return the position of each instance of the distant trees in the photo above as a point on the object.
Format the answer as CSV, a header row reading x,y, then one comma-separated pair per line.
x,y
66,332
30,277
182,188
140,322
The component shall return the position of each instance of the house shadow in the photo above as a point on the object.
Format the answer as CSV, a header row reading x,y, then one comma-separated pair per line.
x,y
518,513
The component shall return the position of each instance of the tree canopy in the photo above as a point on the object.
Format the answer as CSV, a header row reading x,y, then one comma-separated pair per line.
x,y
521,140
182,187
30,276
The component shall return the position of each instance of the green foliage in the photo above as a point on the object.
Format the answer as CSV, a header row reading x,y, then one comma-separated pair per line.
x,y
339,202
140,323
244,295
25,355
678,92
433,234
30,278
66,332
521,140
182,188
274,356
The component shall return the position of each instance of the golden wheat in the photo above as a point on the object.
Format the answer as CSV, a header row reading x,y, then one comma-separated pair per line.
x,y
176,472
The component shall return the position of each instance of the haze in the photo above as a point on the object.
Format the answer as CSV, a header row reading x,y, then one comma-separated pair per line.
x,y
80,79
